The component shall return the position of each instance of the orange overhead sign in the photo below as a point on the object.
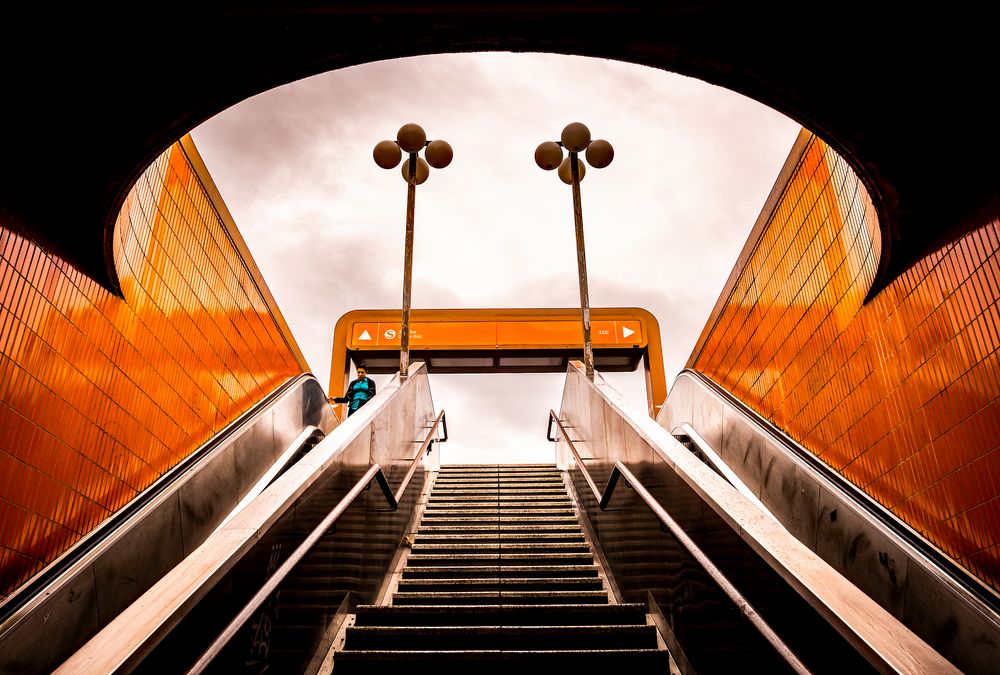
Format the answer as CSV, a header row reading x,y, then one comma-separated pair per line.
x,y
496,334
567,333
438,333
512,340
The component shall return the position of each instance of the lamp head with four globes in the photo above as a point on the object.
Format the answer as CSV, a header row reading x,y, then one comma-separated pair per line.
x,y
411,139
575,138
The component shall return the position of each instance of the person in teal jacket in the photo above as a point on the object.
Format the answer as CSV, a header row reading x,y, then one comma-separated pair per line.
x,y
359,392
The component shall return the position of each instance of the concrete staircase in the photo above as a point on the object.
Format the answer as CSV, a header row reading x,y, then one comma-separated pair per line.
x,y
500,574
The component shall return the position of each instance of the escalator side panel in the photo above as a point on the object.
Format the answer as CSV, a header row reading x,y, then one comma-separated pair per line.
x,y
119,561
860,539
827,622
197,599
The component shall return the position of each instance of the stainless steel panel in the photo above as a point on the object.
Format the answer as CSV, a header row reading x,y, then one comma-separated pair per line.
x,y
681,410
793,493
707,419
884,566
134,561
741,450
859,550
56,625
933,609
254,451
207,497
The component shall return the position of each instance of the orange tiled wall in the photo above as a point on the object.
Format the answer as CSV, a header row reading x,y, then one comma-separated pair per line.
x,y
901,395
100,396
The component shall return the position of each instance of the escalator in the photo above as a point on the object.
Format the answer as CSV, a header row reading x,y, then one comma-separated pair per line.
x,y
366,555
83,591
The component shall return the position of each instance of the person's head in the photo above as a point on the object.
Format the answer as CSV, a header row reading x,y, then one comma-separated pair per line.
x,y
362,372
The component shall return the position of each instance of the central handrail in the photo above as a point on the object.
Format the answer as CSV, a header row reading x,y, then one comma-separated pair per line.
x,y
374,473
742,604
427,445
712,459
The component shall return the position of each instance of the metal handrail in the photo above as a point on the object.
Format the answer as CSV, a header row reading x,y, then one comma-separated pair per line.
x,y
712,459
742,604
383,482
374,473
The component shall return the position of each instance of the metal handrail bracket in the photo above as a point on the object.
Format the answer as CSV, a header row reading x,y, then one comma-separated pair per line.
x,y
427,446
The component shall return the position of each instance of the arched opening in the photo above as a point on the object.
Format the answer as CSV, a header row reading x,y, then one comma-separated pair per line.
x,y
664,223
854,74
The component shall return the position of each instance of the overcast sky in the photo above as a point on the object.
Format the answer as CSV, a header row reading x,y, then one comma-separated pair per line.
x,y
664,223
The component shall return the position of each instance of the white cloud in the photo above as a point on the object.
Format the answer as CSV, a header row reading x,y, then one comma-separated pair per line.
x,y
664,223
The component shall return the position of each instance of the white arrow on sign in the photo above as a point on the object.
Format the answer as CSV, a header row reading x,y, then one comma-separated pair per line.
x,y
365,336
626,332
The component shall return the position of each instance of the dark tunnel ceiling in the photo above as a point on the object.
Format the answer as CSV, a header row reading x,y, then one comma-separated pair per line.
x,y
904,96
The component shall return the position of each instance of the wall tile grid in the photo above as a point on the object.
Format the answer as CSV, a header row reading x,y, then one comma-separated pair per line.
x,y
101,396
900,395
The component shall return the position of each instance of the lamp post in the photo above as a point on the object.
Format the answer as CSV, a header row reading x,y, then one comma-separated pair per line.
x,y
549,155
387,154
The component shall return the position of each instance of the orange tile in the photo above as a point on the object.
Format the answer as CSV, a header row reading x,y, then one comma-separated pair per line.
x,y
926,385
165,337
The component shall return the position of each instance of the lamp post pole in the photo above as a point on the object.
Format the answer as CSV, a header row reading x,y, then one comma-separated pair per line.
x,y
581,267
599,153
411,139
404,331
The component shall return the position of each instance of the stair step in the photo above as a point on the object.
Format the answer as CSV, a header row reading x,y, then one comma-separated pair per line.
x,y
499,478
526,497
503,537
493,488
507,597
504,496
480,527
520,638
502,571
460,661
494,481
501,584
494,558
495,514
484,526
529,547
521,475
495,520
497,468
497,497
500,615
492,507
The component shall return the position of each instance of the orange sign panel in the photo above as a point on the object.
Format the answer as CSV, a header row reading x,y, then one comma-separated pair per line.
x,y
616,332
495,334
540,333
439,333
